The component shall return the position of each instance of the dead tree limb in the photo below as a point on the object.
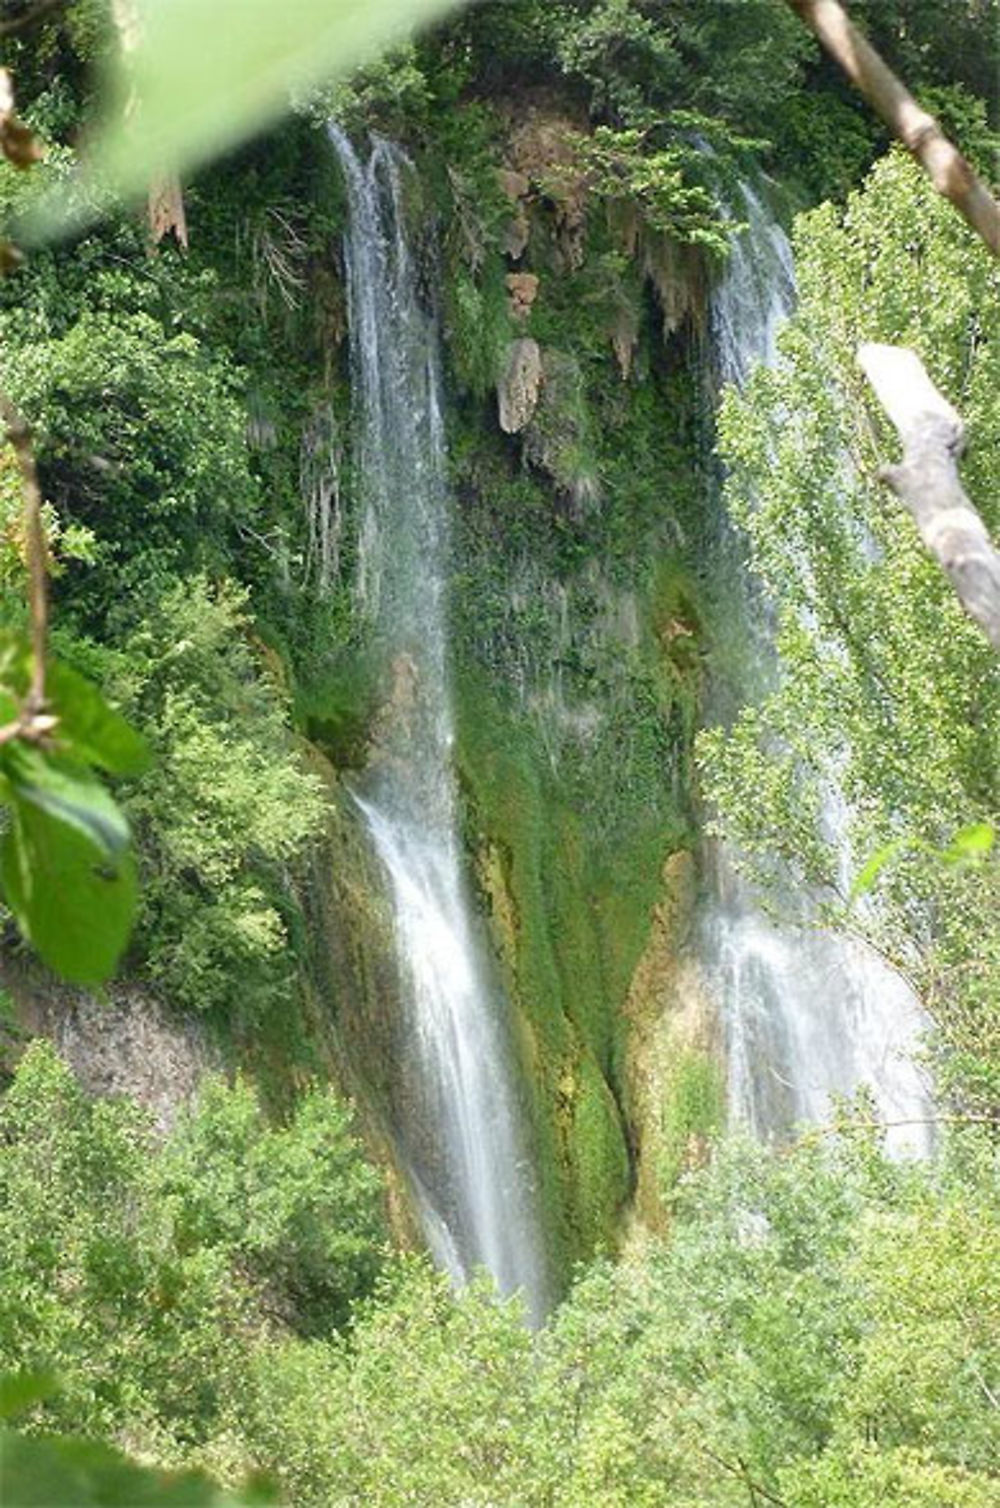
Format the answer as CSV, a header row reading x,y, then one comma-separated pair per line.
x,y
17,141
919,132
927,481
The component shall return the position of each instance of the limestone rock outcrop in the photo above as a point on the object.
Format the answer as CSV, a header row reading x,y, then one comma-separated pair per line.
x,y
520,385
523,290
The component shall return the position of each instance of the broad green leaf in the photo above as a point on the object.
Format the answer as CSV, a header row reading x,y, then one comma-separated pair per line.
x,y
871,871
970,843
88,728
13,650
66,792
73,900
19,1390
207,75
42,1471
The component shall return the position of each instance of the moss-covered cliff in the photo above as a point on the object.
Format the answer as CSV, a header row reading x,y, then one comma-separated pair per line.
x,y
196,446
573,601
575,632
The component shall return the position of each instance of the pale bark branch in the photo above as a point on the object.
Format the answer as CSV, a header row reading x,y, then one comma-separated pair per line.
x,y
917,130
17,141
927,481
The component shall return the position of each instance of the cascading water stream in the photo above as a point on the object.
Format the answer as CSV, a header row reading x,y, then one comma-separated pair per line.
x,y
459,1134
807,1013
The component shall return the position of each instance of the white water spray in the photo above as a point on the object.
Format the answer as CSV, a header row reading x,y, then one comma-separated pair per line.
x,y
459,1130
807,1013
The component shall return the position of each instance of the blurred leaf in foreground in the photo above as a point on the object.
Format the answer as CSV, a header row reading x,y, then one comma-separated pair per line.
x,y
41,1471
21,1390
201,77
971,845
66,862
66,866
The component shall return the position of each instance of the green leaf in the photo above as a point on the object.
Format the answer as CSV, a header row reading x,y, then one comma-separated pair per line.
x,y
88,729
42,1471
207,76
970,844
91,729
72,895
871,871
66,792
19,1390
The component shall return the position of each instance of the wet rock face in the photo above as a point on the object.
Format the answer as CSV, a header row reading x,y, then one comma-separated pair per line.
x,y
519,387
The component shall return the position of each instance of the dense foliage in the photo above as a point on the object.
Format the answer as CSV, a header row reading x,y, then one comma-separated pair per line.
x,y
821,1327
814,1328
143,1274
169,460
887,693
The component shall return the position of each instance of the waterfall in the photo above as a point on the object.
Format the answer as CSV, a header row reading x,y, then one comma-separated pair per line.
x,y
458,1132
807,1013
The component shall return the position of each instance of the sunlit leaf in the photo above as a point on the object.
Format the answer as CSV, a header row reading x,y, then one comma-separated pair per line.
x,y
66,792
207,75
91,729
88,729
970,844
66,864
869,874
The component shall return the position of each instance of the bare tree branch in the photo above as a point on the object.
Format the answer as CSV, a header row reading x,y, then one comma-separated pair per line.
x,y
741,1470
927,482
919,132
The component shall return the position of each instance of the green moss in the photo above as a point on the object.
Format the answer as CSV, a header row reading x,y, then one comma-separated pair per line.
x,y
603,1177
479,325
693,1112
336,704
570,905
578,680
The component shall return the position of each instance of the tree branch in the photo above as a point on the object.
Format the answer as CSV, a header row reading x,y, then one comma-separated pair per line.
x,y
919,132
31,17
741,1470
927,482
837,1128
19,435
17,141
